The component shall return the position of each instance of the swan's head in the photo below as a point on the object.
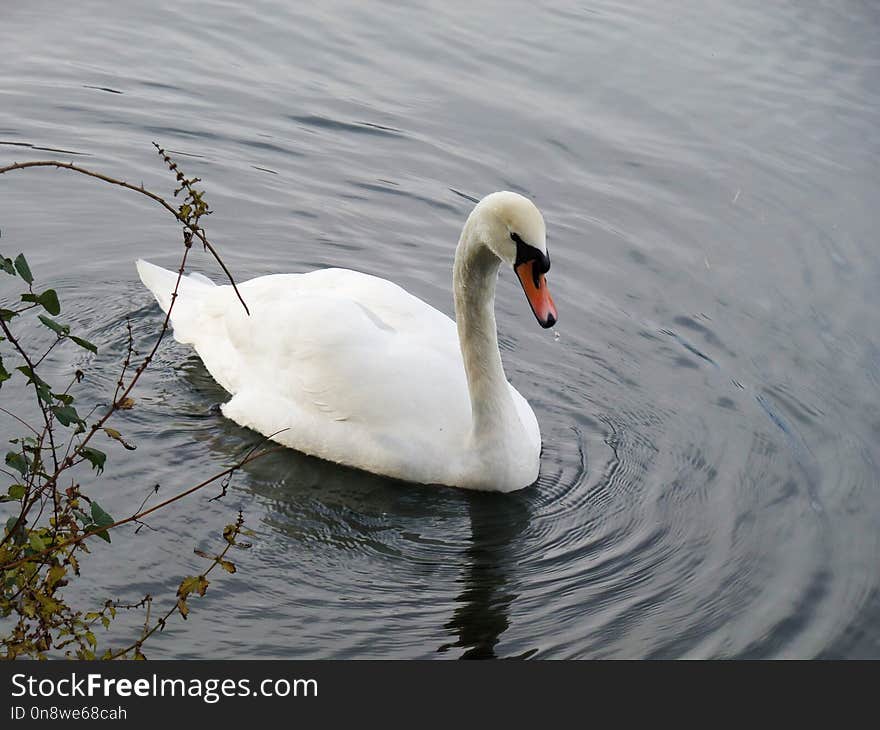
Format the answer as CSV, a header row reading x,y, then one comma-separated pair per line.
x,y
515,233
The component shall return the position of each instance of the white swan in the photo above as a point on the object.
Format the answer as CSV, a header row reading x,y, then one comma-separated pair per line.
x,y
353,369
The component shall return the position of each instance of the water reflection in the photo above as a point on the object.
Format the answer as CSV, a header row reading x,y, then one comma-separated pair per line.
x,y
483,613
366,516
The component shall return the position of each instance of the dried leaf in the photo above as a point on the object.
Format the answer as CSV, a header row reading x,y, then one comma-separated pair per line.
x,y
227,565
114,434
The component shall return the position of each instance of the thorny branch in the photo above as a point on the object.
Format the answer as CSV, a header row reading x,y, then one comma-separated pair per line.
x,y
43,556
140,515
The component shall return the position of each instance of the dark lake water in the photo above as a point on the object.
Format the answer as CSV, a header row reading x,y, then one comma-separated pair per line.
x,y
708,172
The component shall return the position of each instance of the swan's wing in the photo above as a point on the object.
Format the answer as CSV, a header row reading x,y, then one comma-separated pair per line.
x,y
339,344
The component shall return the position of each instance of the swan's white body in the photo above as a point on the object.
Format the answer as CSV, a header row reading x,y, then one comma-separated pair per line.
x,y
353,369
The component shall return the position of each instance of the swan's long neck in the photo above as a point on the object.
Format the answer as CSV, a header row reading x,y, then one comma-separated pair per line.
x,y
475,274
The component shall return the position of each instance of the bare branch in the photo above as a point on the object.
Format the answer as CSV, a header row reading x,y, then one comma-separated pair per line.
x,y
197,231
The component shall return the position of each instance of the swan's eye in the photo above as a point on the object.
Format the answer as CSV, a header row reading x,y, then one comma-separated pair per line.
x,y
526,252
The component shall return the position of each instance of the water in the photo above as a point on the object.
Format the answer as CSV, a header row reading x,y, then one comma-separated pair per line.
x,y
708,172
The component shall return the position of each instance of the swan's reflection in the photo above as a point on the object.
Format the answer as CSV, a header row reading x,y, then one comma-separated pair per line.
x,y
483,614
461,537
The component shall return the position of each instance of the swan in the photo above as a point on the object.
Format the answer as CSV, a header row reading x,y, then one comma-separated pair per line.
x,y
353,369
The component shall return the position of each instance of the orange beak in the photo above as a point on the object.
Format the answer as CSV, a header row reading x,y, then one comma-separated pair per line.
x,y
535,286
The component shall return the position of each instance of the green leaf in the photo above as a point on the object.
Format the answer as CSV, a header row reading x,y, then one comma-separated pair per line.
x,y
44,392
7,314
91,527
18,462
95,457
24,271
29,373
7,265
85,344
15,493
4,373
65,398
66,415
36,542
48,300
62,330
18,535
101,519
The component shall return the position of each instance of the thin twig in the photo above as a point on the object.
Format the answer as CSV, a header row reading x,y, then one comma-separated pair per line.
x,y
197,231
21,421
129,351
80,538
226,482
160,623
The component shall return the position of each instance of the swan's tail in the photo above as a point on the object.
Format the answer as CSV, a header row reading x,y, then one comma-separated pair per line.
x,y
186,315
162,282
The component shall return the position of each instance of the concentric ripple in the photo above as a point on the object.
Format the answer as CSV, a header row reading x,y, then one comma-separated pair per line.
x,y
708,401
